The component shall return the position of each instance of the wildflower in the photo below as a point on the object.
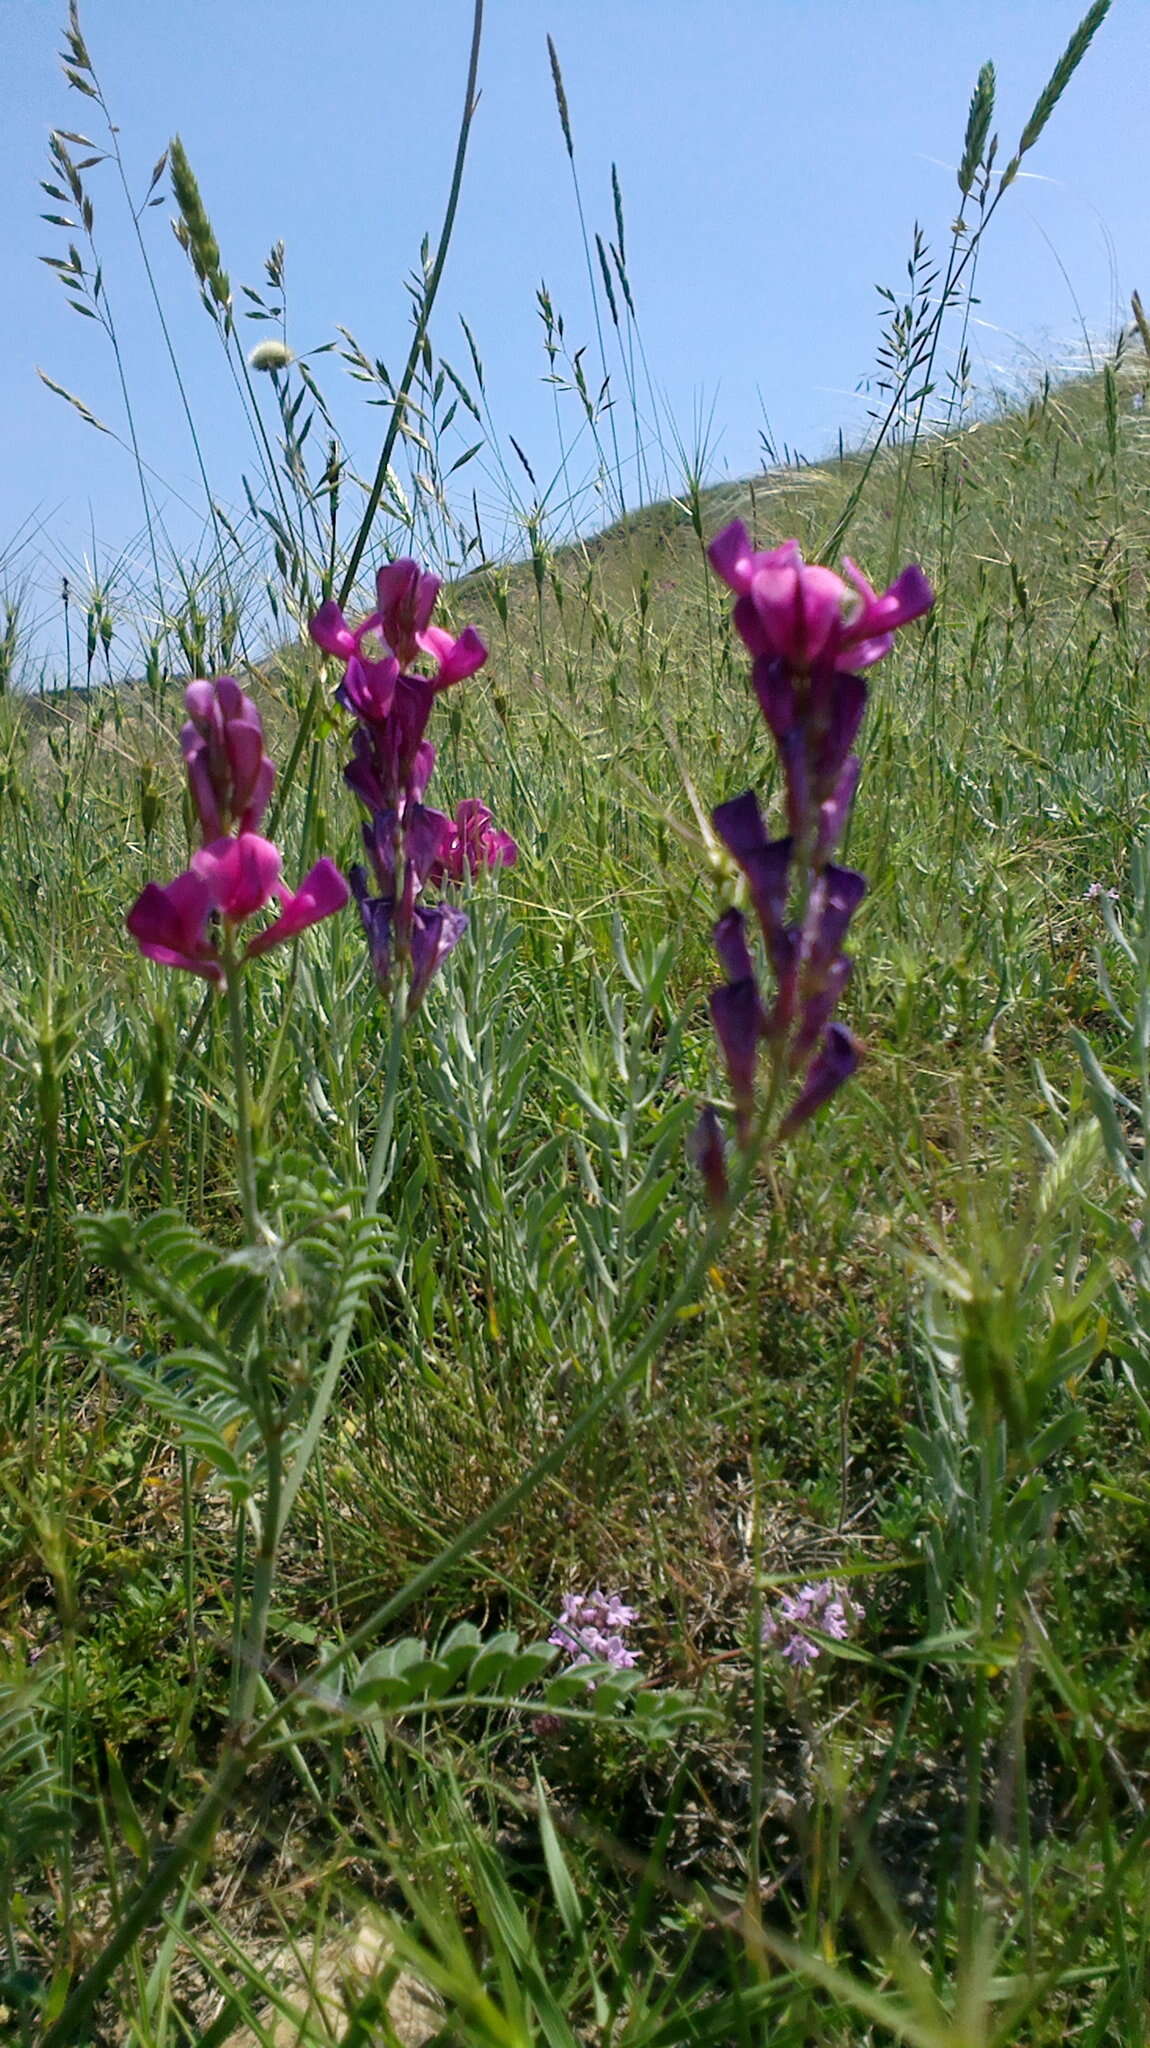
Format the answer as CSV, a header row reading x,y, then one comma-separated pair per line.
x,y
805,616
409,846
232,876
808,632
822,1607
229,774
1094,890
591,1629
709,1154
473,843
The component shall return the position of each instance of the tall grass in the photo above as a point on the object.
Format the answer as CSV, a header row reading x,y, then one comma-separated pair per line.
x,y
916,1365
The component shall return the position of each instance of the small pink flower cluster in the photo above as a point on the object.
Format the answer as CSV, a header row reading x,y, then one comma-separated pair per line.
x,y
591,1629
823,1607
232,874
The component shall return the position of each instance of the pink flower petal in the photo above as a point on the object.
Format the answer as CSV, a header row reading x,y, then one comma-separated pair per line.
x,y
322,892
241,873
169,925
330,630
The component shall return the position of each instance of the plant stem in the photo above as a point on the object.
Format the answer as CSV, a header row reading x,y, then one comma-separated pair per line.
x,y
245,1157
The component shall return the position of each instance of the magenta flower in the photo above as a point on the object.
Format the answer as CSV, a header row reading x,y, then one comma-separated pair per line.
x,y
229,774
409,845
808,632
474,843
170,924
805,616
233,878
405,599
233,874
241,873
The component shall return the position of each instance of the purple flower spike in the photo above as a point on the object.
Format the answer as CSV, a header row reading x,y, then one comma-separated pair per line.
x,y
809,632
408,844
834,1063
229,774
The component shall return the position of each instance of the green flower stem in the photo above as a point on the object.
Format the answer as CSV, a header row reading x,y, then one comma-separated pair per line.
x,y
245,1157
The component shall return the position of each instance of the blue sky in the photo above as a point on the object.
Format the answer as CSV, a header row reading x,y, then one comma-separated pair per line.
x,y
773,159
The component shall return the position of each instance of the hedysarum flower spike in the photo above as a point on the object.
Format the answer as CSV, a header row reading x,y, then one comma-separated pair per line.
x,y
409,845
236,873
808,632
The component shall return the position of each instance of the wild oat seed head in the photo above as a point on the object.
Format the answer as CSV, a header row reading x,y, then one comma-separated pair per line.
x,y
270,355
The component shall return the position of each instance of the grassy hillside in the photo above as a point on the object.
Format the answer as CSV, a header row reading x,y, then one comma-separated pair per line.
x,y
937,1834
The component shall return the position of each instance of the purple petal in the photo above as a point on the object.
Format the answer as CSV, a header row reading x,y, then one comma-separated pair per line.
x,y
376,916
708,1151
242,873
732,557
848,702
730,936
774,686
457,659
169,925
739,824
436,930
834,900
322,892
330,630
837,1060
835,810
737,1015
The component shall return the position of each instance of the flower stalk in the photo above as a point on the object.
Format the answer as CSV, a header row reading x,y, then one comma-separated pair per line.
x,y
808,633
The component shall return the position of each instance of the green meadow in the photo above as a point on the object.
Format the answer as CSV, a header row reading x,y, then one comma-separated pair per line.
x,y
322,1391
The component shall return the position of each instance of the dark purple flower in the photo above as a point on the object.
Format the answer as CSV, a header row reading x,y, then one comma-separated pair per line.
x,y
436,929
709,1154
836,1060
433,930
737,1015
